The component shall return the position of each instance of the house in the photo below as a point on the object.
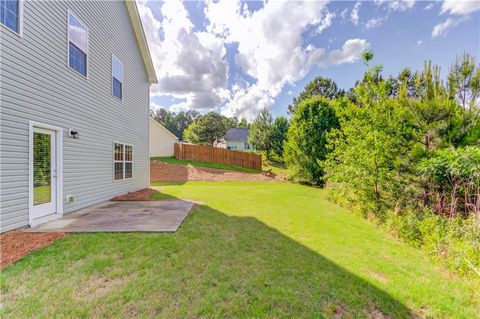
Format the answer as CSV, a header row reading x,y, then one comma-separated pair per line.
x,y
219,143
74,107
237,139
161,140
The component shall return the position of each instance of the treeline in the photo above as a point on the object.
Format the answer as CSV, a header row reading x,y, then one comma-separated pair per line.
x,y
403,151
197,128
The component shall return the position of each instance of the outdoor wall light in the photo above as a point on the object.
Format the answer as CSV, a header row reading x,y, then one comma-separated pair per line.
x,y
74,134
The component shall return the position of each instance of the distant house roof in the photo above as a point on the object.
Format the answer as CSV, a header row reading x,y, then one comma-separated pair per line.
x,y
237,134
141,40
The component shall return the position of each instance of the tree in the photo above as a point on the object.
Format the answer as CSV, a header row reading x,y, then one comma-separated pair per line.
x,y
279,135
175,123
206,129
167,119
367,56
230,122
375,137
464,87
319,86
305,148
243,124
184,119
260,132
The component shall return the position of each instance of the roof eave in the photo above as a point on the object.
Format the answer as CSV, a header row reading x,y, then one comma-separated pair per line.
x,y
141,40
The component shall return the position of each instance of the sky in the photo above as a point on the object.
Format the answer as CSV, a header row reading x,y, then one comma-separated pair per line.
x,y
237,57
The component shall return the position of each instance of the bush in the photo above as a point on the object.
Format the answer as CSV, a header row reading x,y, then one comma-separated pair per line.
x,y
455,241
452,180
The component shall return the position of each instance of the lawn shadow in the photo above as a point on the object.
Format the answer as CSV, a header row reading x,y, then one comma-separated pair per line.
x,y
279,277
215,265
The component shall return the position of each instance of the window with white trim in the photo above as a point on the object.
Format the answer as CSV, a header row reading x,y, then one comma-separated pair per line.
x,y
117,77
77,45
11,14
122,161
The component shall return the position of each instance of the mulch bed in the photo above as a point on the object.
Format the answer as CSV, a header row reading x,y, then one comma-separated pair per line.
x,y
16,244
141,195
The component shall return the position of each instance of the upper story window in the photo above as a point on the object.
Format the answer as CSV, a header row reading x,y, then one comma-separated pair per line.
x,y
77,45
117,77
11,14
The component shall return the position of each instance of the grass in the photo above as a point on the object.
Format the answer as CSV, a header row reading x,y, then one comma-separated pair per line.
x,y
42,194
278,168
173,160
251,250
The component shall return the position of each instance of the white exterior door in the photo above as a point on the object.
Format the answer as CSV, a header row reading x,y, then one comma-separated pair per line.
x,y
44,150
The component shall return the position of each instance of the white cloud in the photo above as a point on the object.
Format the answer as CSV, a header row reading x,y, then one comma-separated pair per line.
x,y
271,50
354,15
188,64
191,65
396,5
460,7
350,52
246,101
155,107
374,23
429,6
326,22
442,27
419,42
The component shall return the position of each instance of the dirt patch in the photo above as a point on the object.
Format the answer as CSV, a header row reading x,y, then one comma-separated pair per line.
x,y
16,244
379,276
99,286
375,313
141,195
163,172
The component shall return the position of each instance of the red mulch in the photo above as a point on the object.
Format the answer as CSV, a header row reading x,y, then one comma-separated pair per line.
x,y
16,244
164,172
141,195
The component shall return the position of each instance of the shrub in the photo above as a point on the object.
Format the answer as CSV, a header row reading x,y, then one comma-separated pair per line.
x,y
455,241
452,180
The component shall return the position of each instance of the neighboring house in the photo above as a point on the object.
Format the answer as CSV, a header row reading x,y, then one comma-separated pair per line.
x,y
219,143
75,80
161,139
237,139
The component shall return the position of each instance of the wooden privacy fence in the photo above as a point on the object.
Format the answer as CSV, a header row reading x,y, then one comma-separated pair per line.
x,y
201,153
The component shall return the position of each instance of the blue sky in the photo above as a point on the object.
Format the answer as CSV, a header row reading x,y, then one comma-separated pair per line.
x,y
236,57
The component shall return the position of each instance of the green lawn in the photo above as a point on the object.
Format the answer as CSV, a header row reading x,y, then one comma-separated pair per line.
x,y
42,194
173,160
251,250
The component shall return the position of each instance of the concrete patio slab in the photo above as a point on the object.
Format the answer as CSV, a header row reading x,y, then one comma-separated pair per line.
x,y
134,216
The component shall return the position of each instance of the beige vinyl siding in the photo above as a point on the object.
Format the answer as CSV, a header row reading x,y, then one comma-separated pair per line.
x,y
161,140
37,85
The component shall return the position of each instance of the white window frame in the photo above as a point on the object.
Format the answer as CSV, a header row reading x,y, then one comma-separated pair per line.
x,y
70,12
20,21
121,63
123,161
